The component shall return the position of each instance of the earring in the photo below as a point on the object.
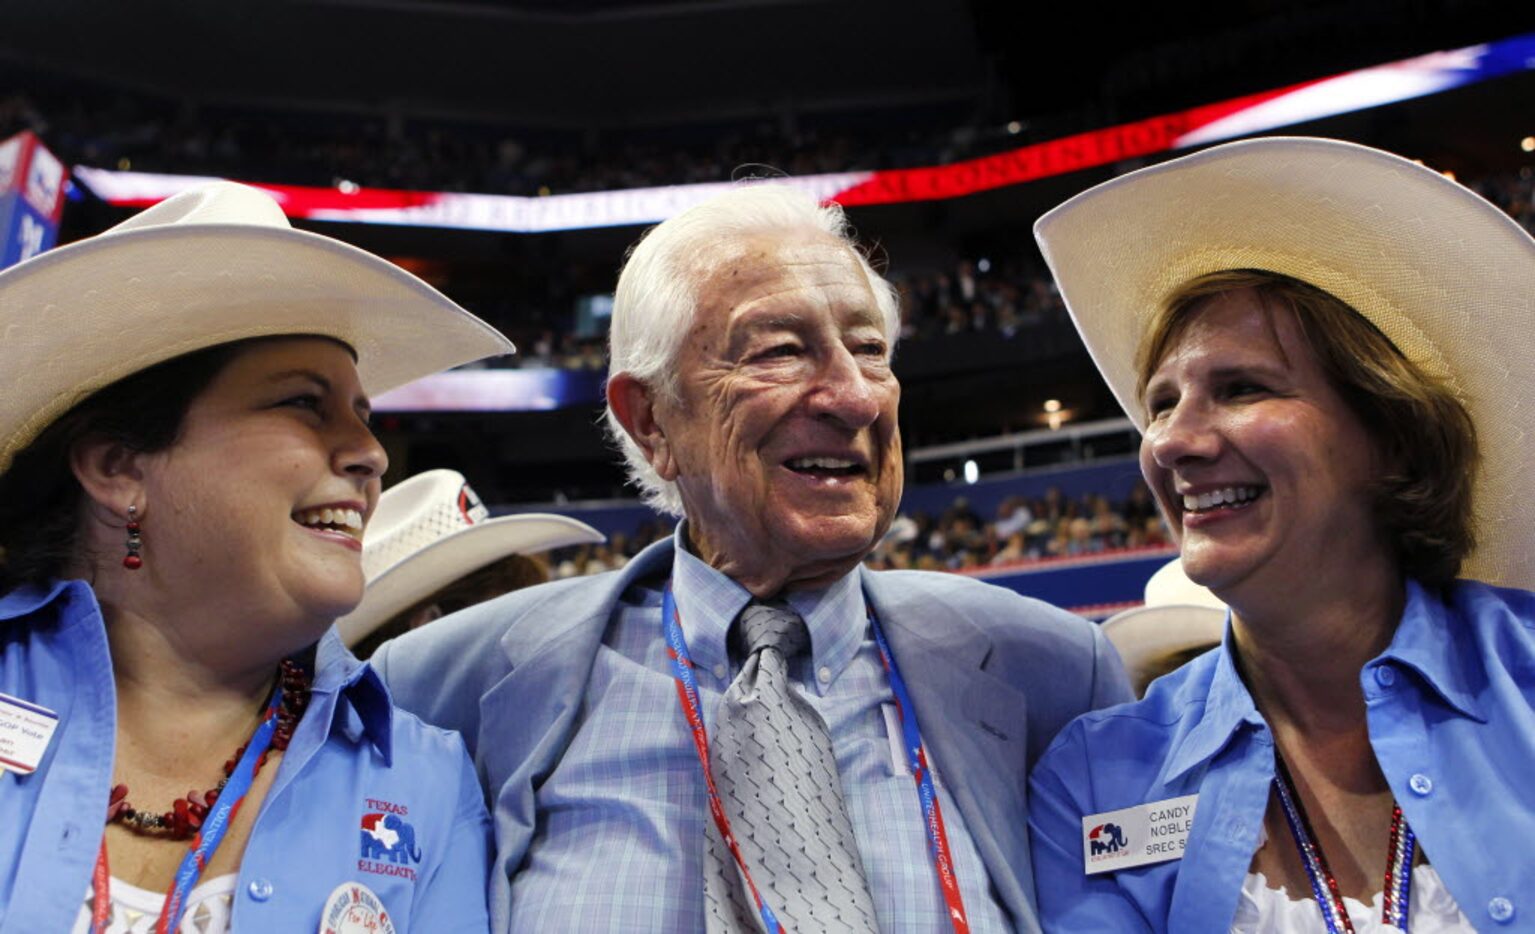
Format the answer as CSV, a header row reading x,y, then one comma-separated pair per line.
x,y
131,560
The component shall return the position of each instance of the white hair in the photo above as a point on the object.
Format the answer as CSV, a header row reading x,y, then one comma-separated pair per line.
x,y
657,296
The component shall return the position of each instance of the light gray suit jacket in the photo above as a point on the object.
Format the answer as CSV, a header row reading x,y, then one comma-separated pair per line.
x,y
993,677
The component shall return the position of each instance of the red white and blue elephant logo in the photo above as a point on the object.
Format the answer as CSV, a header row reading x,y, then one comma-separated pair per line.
x,y
387,836
1106,838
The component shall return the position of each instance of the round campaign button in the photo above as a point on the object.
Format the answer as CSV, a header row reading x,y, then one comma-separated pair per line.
x,y
353,909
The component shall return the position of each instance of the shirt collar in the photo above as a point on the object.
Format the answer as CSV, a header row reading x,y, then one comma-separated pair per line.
x,y
1428,642
29,598
1425,641
708,601
360,705
1228,706
837,618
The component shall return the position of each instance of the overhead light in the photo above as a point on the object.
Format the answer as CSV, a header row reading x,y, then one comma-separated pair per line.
x,y
1014,127
346,186
1052,405
972,471
983,265
1448,174
1527,144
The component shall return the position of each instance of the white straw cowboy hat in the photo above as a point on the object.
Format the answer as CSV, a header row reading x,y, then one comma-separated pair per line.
x,y
209,266
1446,276
1178,615
428,531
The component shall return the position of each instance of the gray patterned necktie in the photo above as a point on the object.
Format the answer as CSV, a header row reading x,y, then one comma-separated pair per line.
x,y
777,777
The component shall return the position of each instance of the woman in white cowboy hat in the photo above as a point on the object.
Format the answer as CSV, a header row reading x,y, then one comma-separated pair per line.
x,y
1328,349
433,549
185,473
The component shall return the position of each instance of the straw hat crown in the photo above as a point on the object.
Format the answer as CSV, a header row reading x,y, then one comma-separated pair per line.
x,y
430,530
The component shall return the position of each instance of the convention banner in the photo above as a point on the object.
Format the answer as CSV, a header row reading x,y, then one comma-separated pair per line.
x,y
31,198
1170,132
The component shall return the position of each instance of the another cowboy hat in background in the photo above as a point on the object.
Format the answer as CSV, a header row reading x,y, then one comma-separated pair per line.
x,y
1178,616
209,266
1445,275
428,531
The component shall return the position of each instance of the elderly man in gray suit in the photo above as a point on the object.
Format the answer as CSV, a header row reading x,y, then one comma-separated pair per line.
x,y
744,729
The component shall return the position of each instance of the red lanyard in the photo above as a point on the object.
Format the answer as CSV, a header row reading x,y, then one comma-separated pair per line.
x,y
687,694
938,840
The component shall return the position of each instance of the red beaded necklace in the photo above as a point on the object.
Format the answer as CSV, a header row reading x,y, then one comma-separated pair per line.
x,y
186,814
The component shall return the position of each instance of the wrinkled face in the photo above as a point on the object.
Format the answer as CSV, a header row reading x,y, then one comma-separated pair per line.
x,y
784,439
1261,468
261,500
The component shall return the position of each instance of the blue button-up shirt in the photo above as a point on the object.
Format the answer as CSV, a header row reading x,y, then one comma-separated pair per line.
x,y
630,788
1451,712
352,757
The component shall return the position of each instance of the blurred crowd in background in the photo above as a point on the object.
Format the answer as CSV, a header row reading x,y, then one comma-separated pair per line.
x,y
146,134
1023,530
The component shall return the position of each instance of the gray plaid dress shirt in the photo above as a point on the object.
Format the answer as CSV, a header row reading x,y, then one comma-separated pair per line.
x,y
621,847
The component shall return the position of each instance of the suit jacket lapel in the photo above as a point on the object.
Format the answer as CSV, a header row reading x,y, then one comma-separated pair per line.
x,y
973,725
550,660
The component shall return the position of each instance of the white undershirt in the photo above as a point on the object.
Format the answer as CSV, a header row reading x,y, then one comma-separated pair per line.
x,y
1431,909
135,911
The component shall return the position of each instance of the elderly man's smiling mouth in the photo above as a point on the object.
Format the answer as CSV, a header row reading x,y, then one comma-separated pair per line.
x,y
829,469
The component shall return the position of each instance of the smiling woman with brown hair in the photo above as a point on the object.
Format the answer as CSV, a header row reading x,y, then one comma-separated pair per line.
x,y
1325,347
186,469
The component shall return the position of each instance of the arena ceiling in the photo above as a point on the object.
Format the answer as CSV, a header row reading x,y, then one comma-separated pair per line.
x,y
611,64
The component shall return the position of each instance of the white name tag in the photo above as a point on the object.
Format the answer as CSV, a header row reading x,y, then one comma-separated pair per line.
x,y
1138,836
897,737
25,730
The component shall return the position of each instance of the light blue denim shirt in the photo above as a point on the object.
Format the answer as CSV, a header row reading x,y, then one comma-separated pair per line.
x,y
1451,711
351,756
623,835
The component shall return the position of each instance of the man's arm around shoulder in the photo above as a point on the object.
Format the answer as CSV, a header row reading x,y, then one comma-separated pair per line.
x,y
440,671
1061,661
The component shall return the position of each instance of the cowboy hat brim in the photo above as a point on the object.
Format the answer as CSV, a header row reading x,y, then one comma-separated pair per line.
x,y
424,571
1146,634
80,317
1445,275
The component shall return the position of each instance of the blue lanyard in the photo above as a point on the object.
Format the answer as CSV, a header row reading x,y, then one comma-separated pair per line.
x,y
213,829
937,837
209,836
927,795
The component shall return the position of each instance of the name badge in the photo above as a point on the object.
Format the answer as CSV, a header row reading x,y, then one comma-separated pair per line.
x,y
1137,836
25,730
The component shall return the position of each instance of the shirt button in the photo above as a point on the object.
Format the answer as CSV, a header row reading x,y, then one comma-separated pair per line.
x,y
824,674
1385,676
1501,910
1421,785
259,889
719,671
